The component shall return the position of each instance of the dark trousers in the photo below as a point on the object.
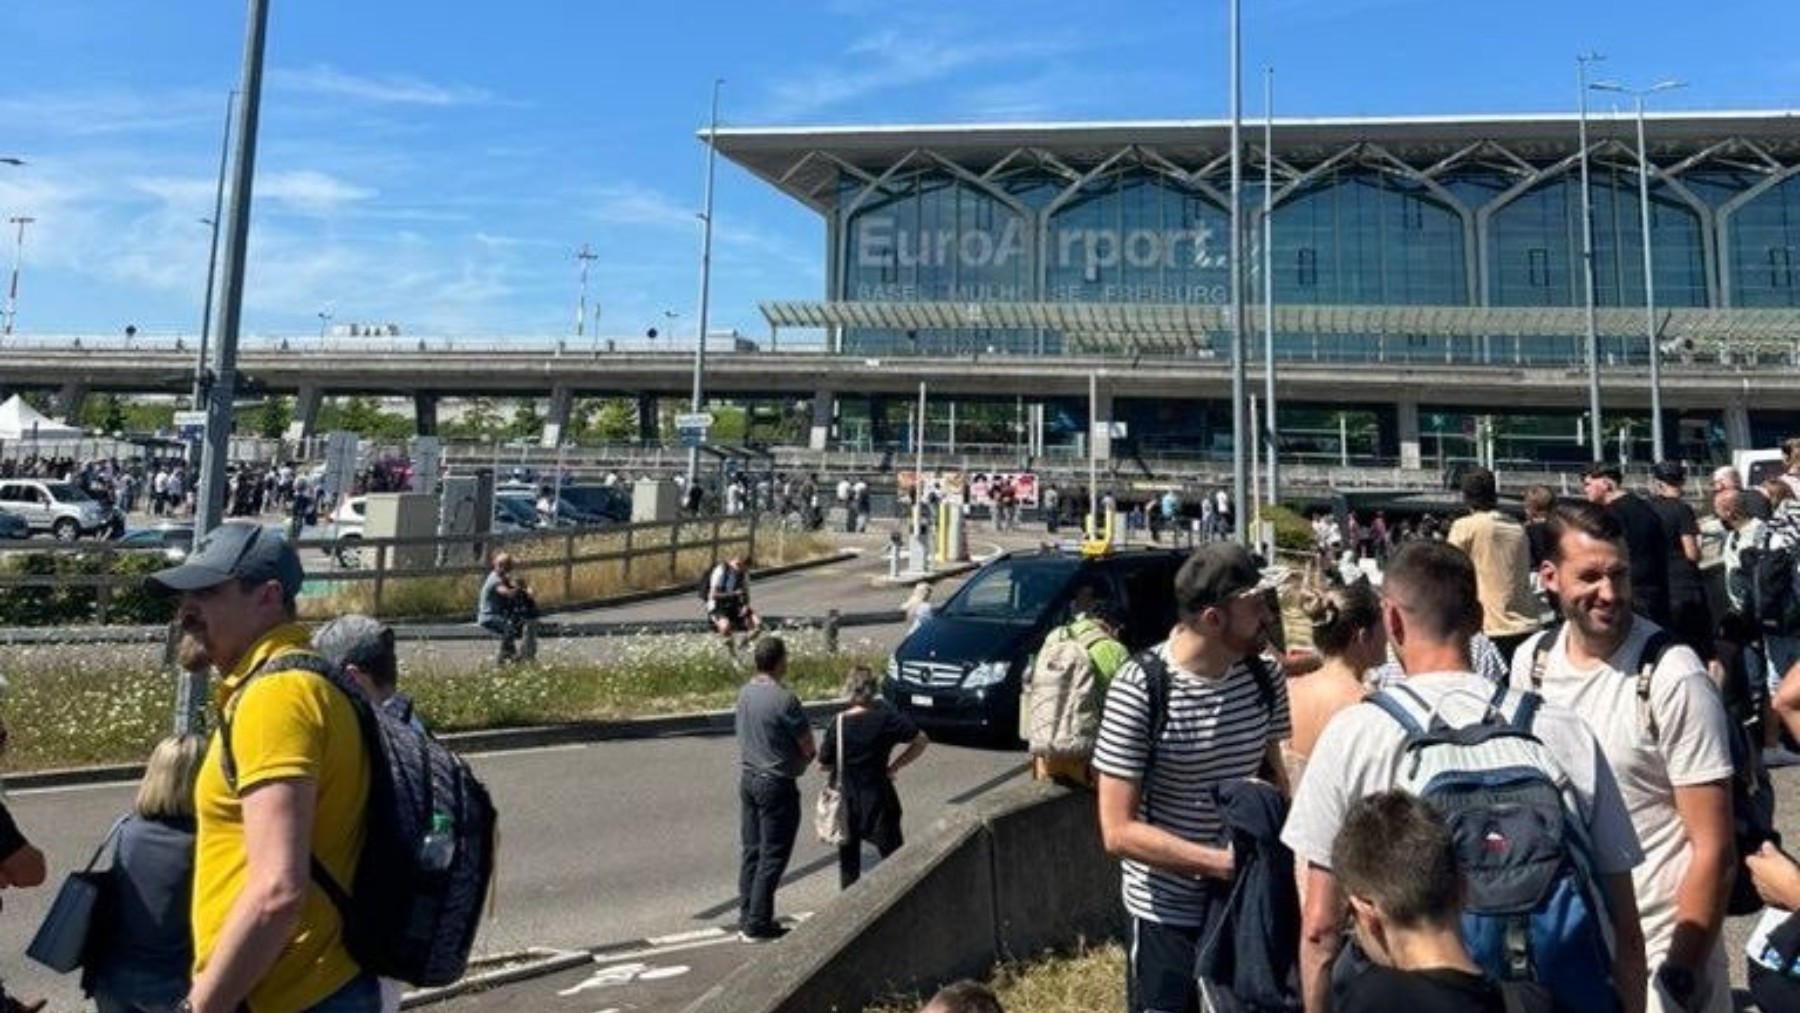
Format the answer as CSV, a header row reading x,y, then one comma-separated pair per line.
x,y
850,860
770,821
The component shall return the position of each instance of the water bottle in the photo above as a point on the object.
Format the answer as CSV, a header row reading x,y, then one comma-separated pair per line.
x,y
439,846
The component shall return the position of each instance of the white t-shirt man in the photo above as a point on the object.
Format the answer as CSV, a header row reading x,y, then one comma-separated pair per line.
x,y
1691,748
1361,751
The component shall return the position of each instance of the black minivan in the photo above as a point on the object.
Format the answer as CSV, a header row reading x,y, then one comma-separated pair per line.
x,y
963,668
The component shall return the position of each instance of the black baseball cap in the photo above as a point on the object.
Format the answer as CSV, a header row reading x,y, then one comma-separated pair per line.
x,y
1220,571
1669,472
236,550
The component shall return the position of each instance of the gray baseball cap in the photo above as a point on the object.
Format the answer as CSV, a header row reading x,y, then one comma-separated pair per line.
x,y
235,550
354,639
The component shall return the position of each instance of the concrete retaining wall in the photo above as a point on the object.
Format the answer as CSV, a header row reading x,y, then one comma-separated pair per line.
x,y
1007,876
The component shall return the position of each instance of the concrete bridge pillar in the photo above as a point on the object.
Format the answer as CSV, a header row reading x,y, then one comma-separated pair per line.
x,y
1737,426
556,420
1408,414
306,413
824,414
68,402
425,414
648,423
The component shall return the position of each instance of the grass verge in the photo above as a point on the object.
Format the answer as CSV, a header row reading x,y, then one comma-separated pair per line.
x,y
68,709
1092,978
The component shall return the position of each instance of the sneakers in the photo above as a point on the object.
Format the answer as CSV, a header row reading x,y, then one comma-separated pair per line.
x,y
767,935
1779,756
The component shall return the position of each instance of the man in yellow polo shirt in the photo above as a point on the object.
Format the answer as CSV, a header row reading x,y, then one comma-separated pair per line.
x,y
267,938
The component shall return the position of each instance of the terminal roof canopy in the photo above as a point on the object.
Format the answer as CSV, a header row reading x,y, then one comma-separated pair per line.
x,y
808,162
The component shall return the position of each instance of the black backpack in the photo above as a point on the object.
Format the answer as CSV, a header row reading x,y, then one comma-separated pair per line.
x,y
1752,793
402,917
1770,571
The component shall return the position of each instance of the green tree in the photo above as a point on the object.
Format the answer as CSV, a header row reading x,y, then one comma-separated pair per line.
x,y
617,420
526,423
105,413
479,420
272,419
363,415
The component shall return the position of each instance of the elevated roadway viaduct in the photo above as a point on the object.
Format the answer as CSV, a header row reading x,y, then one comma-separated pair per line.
x,y
430,371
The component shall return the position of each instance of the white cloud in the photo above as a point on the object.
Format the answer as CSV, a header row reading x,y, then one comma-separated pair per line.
x,y
393,89
309,192
634,204
893,58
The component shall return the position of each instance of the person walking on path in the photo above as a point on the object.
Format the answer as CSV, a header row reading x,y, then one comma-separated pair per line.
x,y
267,937
775,744
146,951
865,766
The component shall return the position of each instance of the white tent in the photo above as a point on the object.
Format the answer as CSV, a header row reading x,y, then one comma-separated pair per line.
x,y
20,421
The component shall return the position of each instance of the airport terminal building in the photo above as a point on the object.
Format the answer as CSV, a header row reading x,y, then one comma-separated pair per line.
x,y
1448,241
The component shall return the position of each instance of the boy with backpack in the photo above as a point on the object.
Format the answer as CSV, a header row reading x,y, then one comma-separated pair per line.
x,y
1542,834
1396,861
1664,726
1066,690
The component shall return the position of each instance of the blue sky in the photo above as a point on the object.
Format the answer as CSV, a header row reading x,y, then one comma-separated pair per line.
x,y
437,165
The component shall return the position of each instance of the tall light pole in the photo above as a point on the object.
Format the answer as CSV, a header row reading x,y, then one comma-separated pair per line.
x,y
1596,442
324,323
1637,97
1240,428
210,491
212,257
586,256
706,234
1268,273
12,291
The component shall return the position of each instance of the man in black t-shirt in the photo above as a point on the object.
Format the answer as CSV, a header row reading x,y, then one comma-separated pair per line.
x,y
1688,611
1394,859
1603,485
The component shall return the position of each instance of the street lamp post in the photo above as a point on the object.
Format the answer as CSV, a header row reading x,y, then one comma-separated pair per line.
x,y
210,491
706,234
1240,461
212,257
12,291
324,323
586,256
1268,286
1596,440
1637,97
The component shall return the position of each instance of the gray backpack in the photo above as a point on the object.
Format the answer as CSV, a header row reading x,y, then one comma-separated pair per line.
x,y
1062,702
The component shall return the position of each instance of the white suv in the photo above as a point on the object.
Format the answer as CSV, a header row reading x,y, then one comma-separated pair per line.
x,y
57,507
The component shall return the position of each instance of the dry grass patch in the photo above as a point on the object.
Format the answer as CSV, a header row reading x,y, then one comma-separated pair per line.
x,y
1093,978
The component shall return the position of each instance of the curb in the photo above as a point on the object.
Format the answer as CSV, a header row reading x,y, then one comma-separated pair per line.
x,y
486,741
534,962
60,636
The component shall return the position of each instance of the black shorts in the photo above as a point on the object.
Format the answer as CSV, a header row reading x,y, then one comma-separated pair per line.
x,y
1159,972
738,616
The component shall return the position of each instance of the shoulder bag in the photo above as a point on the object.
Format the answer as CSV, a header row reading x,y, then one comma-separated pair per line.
x,y
831,820
65,939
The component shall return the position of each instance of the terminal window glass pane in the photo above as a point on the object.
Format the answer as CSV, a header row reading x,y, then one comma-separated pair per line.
x,y
1761,236
1780,276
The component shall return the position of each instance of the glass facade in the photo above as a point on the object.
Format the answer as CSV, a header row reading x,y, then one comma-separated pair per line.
x,y
1352,228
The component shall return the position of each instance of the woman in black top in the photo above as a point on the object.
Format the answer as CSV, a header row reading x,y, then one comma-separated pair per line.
x,y
146,951
866,775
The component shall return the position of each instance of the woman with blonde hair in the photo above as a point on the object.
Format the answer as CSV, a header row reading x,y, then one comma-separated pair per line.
x,y
145,953
918,606
1347,631
865,765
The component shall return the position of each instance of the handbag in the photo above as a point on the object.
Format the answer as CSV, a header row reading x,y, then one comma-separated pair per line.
x,y
64,941
831,819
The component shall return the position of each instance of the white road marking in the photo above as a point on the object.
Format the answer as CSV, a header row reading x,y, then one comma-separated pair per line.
x,y
625,974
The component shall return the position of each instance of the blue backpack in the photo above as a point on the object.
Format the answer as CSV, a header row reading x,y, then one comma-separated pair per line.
x,y
1534,911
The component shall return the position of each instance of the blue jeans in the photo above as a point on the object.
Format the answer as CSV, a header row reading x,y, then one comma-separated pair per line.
x,y
770,821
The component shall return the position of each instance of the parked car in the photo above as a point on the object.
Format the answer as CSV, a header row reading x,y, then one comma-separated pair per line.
x,y
608,502
965,667
59,508
173,540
